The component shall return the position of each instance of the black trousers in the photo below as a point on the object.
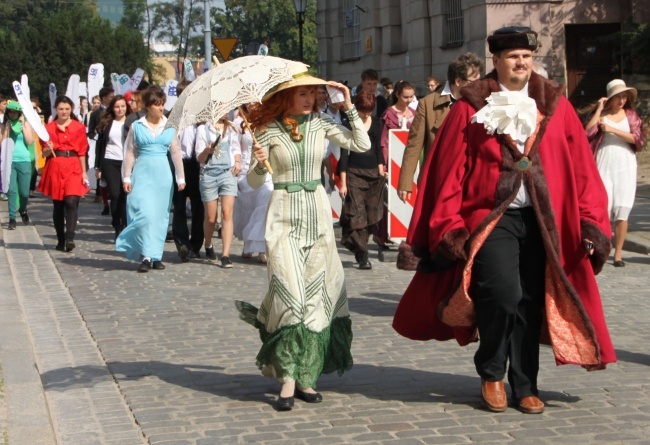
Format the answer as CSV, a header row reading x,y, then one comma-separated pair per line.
x,y
179,218
508,293
112,174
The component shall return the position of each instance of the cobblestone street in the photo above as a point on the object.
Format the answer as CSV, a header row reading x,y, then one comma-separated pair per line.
x,y
162,358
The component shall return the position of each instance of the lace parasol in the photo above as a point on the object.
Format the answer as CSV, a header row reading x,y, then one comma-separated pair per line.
x,y
225,87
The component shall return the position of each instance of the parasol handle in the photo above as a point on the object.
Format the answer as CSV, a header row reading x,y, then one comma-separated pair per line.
x,y
248,126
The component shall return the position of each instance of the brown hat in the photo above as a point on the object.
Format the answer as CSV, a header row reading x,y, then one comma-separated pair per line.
x,y
512,37
617,86
299,80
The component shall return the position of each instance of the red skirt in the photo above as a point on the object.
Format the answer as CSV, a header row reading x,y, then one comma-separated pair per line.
x,y
62,177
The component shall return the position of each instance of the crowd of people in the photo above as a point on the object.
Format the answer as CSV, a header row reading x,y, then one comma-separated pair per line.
x,y
511,222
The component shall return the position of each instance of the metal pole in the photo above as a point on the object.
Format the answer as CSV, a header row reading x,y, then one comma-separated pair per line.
x,y
208,39
301,20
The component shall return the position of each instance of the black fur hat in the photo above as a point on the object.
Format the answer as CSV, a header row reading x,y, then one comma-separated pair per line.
x,y
512,37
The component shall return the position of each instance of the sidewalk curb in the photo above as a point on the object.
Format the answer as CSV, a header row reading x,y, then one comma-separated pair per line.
x,y
80,411
29,419
636,244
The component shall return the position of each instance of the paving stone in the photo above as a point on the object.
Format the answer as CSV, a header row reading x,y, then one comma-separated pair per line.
x,y
162,358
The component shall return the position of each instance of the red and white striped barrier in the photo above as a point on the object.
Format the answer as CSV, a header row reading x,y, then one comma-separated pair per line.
x,y
399,212
335,198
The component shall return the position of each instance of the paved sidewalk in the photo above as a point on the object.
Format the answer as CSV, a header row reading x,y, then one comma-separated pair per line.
x,y
162,358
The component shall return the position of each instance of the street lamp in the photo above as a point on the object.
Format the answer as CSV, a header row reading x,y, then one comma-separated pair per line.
x,y
301,6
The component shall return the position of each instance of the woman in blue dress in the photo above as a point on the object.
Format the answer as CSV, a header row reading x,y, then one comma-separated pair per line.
x,y
147,178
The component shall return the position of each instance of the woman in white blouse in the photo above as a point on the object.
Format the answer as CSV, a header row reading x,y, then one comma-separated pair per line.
x,y
109,155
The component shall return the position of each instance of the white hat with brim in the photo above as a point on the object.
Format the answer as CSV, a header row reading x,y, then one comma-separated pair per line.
x,y
618,86
299,80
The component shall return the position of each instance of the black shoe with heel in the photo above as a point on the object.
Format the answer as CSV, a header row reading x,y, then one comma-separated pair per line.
x,y
309,397
284,403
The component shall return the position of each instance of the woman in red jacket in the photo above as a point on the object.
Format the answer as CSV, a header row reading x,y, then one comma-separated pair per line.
x,y
64,177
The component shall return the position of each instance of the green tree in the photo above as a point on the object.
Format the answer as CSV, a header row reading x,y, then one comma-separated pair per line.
x,y
258,20
57,44
176,22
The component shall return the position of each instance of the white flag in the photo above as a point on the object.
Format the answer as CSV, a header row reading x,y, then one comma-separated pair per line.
x,y
170,91
95,80
52,98
135,80
189,70
30,114
115,81
124,80
73,87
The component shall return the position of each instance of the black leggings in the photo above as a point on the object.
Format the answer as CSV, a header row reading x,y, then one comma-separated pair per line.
x,y
65,217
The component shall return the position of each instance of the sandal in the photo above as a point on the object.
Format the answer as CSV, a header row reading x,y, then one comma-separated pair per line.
x,y
262,258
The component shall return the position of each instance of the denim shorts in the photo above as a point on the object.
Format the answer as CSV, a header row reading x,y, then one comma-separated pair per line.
x,y
217,182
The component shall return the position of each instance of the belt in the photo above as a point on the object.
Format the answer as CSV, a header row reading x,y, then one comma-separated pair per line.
x,y
66,154
292,187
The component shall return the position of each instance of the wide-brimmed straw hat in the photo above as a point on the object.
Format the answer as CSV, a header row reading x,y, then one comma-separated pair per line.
x,y
617,86
299,80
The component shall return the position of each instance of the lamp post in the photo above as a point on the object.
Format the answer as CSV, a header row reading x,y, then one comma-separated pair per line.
x,y
301,6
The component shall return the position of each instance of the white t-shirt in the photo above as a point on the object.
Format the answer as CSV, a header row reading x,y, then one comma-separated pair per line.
x,y
114,147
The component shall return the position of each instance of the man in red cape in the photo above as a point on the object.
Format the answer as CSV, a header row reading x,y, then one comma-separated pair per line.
x,y
511,232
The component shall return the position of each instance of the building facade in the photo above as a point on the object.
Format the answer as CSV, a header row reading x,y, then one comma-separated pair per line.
x,y
414,39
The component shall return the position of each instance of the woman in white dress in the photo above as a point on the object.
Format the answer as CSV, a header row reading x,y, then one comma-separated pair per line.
x,y
303,320
251,205
614,131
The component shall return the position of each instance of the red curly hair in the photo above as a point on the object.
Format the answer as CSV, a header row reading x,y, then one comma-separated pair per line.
x,y
277,106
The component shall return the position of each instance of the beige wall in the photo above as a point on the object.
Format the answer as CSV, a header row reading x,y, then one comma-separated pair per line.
x,y
407,35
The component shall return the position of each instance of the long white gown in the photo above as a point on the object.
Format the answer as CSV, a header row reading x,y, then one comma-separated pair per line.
x,y
616,163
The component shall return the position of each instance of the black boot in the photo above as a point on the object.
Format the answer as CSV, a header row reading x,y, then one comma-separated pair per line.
x,y
69,242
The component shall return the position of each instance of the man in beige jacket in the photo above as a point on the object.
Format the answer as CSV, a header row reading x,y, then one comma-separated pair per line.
x,y
431,111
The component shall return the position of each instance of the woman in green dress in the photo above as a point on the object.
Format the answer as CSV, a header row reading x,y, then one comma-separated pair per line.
x,y
303,320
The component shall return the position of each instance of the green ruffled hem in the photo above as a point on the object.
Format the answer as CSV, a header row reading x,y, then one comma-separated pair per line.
x,y
295,352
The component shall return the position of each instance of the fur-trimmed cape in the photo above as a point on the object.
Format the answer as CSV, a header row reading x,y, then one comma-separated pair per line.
x,y
468,181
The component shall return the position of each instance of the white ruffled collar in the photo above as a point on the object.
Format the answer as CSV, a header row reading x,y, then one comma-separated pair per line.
x,y
509,112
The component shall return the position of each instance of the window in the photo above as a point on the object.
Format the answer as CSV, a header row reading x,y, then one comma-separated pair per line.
x,y
452,23
351,21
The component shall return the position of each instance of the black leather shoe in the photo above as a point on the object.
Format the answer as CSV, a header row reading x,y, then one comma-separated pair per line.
x,y
11,225
106,211
284,403
60,246
69,245
308,397
25,217
144,267
365,265
158,265
183,253
194,254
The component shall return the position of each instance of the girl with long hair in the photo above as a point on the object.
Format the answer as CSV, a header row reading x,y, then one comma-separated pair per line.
x,y
303,320
148,183
615,134
64,176
109,155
